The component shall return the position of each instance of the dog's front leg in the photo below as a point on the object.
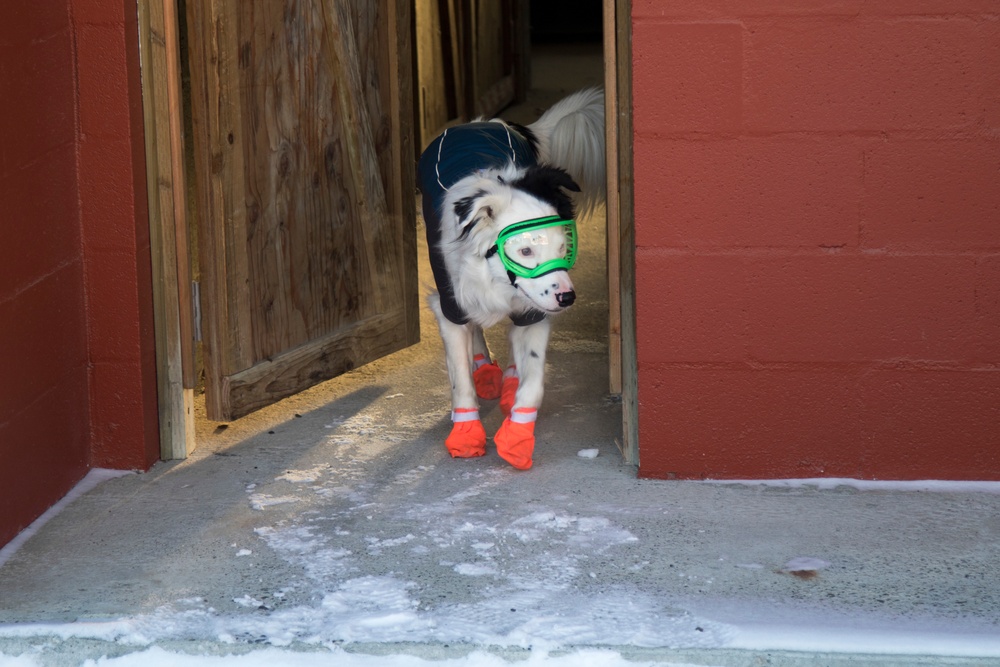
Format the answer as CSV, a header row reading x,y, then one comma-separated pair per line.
x,y
516,438
467,437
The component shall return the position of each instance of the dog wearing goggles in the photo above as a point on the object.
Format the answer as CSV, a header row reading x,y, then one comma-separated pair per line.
x,y
501,233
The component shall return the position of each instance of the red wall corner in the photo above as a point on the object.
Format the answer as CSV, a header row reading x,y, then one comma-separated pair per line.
x,y
76,342
116,237
816,200
44,403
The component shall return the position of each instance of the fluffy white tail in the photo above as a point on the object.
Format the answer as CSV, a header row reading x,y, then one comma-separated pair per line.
x,y
571,136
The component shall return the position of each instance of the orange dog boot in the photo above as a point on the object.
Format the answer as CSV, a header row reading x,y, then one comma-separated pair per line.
x,y
468,437
516,438
487,378
508,390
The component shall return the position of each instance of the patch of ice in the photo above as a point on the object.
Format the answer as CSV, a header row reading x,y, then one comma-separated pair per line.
x,y
302,476
299,540
393,542
823,637
411,476
260,501
374,609
18,660
464,495
248,602
276,657
244,552
829,483
360,424
375,545
475,569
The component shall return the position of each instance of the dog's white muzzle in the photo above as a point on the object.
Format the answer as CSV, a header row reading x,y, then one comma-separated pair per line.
x,y
551,293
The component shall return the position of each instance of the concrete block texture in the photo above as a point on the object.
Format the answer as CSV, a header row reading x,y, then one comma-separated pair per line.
x,y
817,216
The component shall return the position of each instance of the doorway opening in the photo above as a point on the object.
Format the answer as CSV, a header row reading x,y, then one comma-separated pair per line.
x,y
556,51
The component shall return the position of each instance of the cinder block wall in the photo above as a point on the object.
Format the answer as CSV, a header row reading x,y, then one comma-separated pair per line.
x,y
44,406
77,366
817,213
115,225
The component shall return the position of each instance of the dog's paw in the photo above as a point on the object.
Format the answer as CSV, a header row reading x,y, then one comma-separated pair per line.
x,y
466,440
488,379
516,443
508,391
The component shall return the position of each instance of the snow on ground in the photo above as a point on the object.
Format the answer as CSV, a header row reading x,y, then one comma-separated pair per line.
x,y
516,582
829,483
157,657
518,595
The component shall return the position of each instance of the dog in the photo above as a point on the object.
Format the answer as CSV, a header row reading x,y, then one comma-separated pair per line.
x,y
498,207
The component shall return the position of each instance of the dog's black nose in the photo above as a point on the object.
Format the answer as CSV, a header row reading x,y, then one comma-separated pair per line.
x,y
566,299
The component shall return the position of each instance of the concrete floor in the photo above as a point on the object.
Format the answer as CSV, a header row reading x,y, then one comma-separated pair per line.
x,y
261,533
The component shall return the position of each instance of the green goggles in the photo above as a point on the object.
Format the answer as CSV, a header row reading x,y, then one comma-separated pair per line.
x,y
524,246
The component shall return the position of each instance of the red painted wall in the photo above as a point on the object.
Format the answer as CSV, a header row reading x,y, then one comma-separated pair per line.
x,y
817,212
115,222
78,378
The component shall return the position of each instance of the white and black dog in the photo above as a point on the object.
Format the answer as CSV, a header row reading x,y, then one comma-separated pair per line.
x,y
502,238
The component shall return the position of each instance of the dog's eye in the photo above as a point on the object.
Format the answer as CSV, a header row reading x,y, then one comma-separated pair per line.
x,y
526,252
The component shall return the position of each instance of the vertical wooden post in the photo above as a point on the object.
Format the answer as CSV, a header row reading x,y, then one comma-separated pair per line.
x,y
168,240
621,227
175,110
612,205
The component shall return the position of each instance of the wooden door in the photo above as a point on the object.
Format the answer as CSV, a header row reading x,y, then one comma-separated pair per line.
x,y
304,164
495,51
472,60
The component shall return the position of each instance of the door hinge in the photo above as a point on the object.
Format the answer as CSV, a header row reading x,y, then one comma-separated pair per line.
x,y
196,309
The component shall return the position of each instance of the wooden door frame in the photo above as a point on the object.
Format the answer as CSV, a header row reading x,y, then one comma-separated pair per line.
x,y
159,55
161,91
620,212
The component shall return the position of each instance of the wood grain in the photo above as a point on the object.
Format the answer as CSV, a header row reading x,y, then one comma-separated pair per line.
x,y
309,232
626,231
162,192
471,60
613,204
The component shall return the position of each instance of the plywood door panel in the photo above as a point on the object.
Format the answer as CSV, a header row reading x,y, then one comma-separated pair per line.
x,y
305,183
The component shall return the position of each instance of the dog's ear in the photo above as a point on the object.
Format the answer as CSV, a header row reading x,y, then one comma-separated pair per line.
x,y
470,211
549,184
